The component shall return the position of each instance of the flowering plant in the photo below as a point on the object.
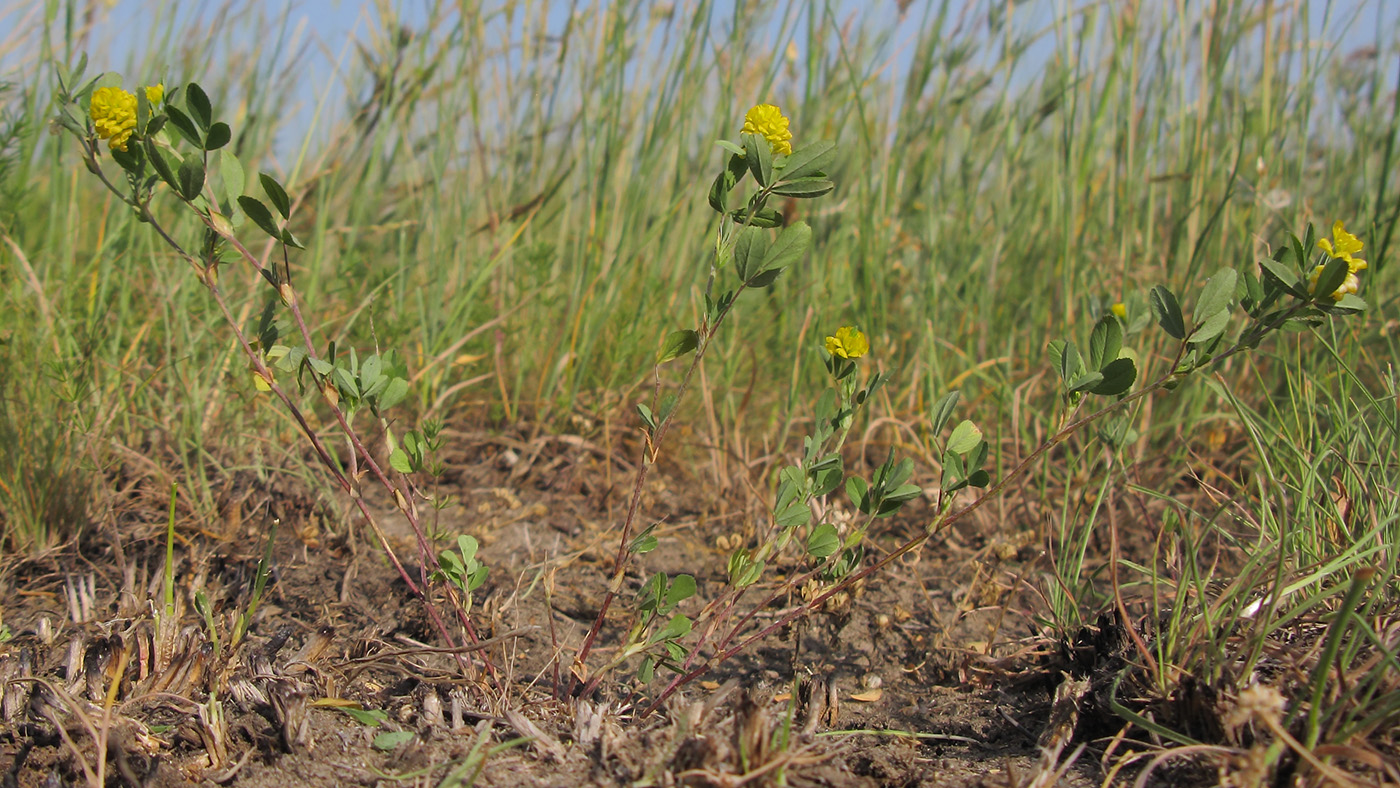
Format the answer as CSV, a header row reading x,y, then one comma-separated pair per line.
x,y
174,139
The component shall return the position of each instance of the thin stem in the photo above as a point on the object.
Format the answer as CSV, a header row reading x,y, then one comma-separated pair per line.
x,y
649,454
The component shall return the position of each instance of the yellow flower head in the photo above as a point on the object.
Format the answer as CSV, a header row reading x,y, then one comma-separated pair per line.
x,y
1119,311
155,93
768,122
1342,246
848,343
113,114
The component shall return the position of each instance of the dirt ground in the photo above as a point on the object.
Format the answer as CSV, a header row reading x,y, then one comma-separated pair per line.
x,y
940,674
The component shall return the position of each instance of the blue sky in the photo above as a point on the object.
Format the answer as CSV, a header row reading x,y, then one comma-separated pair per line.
x,y
327,27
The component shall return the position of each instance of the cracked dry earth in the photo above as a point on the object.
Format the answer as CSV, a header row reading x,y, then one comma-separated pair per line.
x,y
934,675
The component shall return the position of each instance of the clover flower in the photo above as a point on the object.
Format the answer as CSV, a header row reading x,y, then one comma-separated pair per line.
x,y
849,342
113,112
155,93
1342,246
768,122
1119,311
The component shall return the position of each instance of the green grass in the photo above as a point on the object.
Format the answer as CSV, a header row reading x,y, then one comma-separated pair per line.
x,y
989,199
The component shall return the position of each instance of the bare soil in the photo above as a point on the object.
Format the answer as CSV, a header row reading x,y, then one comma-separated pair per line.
x,y
940,674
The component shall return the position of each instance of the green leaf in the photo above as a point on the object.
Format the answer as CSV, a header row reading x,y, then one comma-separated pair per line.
x,y
1216,295
1118,376
804,188
185,126
677,627
899,472
1331,278
1105,341
682,588
1349,304
827,479
276,194
677,344
809,160
1213,327
368,717
1168,312
899,496
1084,382
823,541
1069,363
164,164
647,670
759,155
1250,291
856,490
1283,276
191,177
131,160
232,171
647,417
398,460
794,514
392,740
370,372
260,215
734,171
218,136
954,471
644,543
965,437
198,103
346,383
792,243
393,394
749,249
737,150
476,578
467,546
764,278
764,217
654,591
943,410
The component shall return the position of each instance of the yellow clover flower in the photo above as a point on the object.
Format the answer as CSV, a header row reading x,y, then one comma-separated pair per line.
x,y
849,342
113,112
1342,246
768,122
1119,311
155,93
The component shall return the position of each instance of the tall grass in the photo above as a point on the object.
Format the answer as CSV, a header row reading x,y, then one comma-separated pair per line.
x,y
1010,171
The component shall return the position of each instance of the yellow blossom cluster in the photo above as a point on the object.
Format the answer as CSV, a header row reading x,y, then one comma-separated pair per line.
x,y
113,113
767,121
1341,246
849,342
